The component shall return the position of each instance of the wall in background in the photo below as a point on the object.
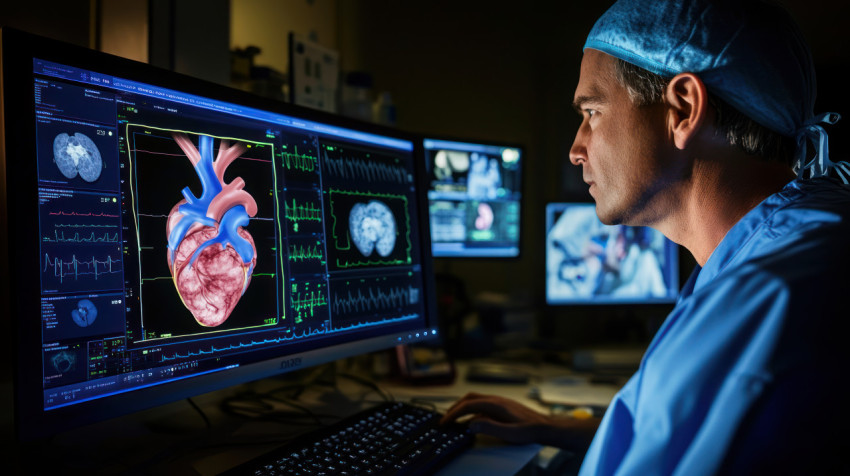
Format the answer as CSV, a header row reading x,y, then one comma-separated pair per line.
x,y
267,23
72,21
124,28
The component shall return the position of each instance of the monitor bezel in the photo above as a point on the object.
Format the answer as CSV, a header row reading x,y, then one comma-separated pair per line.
x,y
673,252
522,201
17,50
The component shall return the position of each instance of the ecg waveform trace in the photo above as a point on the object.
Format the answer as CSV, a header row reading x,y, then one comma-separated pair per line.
x,y
296,161
74,267
88,214
303,253
308,301
374,300
59,237
358,169
309,212
310,332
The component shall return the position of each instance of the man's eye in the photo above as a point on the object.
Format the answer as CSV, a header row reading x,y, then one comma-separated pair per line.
x,y
590,112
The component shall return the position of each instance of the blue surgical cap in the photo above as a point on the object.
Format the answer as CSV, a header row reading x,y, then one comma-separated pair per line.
x,y
748,53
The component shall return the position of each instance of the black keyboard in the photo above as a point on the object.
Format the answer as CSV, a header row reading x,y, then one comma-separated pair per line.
x,y
392,438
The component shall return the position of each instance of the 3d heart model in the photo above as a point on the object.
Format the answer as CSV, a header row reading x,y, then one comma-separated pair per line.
x,y
210,254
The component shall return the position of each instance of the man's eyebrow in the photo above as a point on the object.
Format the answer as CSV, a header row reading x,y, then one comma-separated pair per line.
x,y
581,101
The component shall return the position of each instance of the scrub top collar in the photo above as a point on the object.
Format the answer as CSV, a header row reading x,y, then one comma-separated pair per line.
x,y
738,236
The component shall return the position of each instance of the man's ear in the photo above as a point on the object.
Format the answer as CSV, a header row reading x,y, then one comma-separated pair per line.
x,y
687,101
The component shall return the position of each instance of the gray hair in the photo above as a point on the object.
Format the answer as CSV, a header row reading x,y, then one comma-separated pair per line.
x,y
645,88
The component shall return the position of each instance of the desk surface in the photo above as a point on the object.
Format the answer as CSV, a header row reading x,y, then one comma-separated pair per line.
x,y
493,457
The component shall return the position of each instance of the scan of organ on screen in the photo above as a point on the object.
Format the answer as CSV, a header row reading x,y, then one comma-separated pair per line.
x,y
217,216
77,154
589,261
204,231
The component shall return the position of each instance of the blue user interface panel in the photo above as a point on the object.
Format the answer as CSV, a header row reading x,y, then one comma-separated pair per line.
x,y
588,262
474,198
181,235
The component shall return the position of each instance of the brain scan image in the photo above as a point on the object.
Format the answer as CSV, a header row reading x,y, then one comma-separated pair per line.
x,y
373,228
85,313
77,154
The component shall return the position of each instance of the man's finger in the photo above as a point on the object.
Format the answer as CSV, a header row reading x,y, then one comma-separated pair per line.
x,y
488,406
510,432
465,398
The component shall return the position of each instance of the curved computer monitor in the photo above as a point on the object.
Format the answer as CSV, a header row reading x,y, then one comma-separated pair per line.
x,y
474,198
588,262
170,237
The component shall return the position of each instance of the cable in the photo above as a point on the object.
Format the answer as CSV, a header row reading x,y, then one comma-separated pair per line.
x,y
201,412
257,406
368,383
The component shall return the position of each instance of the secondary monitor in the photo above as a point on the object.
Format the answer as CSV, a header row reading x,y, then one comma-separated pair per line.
x,y
588,262
474,198
169,236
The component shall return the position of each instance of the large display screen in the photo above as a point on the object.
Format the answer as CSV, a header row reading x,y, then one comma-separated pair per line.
x,y
178,233
474,198
588,262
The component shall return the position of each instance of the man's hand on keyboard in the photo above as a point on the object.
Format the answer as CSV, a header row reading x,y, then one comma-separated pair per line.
x,y
516,423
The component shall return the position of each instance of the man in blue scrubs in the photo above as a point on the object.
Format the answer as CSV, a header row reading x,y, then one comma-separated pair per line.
x,y
698,121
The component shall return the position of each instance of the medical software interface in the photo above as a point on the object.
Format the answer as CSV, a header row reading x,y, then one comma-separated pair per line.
x,y
181,235
473,198
588,262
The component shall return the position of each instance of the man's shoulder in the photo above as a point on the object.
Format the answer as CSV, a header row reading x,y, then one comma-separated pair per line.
x,y
798,241
823,193
801,252
804,217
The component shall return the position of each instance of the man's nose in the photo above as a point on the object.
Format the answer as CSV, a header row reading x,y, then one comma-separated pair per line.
x,y
578,151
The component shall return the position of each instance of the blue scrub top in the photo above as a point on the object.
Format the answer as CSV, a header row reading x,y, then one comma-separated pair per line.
x,y
746,374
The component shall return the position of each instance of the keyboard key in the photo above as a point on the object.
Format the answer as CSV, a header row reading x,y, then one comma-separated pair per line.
x,y
408,440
